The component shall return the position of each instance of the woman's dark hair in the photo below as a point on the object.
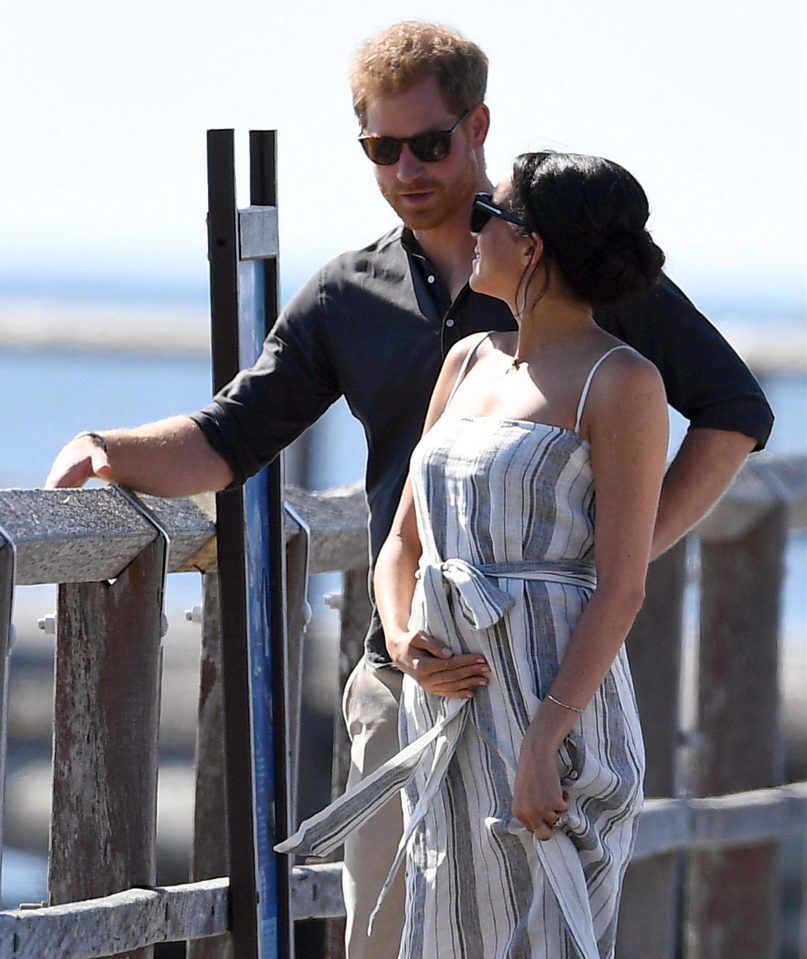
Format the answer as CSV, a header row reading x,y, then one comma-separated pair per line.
x,y
591,215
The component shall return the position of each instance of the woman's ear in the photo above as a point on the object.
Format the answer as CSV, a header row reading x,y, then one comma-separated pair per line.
x,y
533,249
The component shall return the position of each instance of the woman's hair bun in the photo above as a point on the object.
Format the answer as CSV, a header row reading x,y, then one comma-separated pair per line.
x,y
623,264
591,215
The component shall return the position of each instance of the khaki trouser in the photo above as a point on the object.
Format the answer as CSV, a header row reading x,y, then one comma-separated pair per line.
x,y
370,707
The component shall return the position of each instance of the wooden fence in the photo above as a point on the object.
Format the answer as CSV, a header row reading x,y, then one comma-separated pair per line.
x,y
703,883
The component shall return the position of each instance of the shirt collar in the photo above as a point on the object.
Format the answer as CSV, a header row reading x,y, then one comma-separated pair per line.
x,y
410,243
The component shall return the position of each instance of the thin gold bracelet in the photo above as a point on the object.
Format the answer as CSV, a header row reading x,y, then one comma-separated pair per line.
x,y
574,709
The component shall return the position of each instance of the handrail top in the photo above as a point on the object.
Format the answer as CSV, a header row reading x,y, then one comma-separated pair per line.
x,y
87,535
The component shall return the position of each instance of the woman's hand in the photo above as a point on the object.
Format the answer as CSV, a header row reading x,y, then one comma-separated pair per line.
x,y
434,667
539,801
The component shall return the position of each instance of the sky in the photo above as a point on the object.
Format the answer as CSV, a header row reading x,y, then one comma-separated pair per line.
x,y
105,108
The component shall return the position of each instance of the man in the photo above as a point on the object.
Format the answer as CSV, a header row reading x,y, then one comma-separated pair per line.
x,y
373,326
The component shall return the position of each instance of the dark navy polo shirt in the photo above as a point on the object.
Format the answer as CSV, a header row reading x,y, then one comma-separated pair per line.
x,y
374,325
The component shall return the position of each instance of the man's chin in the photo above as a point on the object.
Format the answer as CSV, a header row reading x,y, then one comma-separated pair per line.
x,y
418,220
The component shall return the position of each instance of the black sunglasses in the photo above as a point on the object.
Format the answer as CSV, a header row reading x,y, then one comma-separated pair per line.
x,y
428,147
484,208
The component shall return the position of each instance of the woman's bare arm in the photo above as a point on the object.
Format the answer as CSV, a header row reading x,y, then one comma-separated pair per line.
x,y
427,660
626,416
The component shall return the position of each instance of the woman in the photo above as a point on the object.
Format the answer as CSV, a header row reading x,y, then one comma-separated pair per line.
x,y
521,821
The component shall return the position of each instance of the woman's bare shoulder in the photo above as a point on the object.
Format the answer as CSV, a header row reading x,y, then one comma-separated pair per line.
x,y
471,348
626,383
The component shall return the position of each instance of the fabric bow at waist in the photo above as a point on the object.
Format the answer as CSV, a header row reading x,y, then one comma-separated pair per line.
x,y
481,602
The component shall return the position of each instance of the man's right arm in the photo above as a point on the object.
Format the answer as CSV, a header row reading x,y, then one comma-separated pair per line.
x,y
245,425
168,458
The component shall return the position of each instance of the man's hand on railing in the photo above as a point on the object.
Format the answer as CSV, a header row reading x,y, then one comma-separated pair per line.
x,y
433,665
170,457
83,458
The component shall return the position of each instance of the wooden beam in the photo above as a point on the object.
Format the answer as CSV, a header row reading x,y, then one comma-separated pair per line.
x,y
139,917
7,578
337,520
762,482
86,536
745,818
90,535
106,722
210,838
739,737
648,912
124,922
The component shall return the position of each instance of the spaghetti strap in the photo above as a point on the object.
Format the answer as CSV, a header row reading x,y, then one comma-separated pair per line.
x,y
466,363
589,378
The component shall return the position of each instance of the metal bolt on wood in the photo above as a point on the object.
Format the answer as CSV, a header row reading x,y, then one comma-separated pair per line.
x,y
194,615
334,600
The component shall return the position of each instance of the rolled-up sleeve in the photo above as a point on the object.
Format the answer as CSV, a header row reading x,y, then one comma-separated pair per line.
x,y
705,379
293,382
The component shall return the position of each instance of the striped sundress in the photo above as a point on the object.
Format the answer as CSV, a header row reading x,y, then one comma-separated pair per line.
x,y
505,512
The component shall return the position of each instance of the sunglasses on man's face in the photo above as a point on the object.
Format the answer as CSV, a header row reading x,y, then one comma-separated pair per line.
x,y
484,208
428,147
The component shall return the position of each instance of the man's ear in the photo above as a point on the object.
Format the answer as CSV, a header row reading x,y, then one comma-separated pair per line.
x,y
478,125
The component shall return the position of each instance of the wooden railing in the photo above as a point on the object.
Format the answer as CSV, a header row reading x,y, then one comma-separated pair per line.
x,y
708,836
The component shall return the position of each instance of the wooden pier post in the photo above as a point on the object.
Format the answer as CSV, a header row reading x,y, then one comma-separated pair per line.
x,y
355,617
648,918
209,858
106,728
732,897
7,578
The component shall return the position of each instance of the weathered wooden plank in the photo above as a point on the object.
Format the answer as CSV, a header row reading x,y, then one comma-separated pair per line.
x,y
745,818
337,519
648,915
123,922
665,826
755,816
68,536
137,918
354,620
191,527
763,481
739,740
210,840
83,536
297,616
316,891
106,721
75,536
88,535
7,577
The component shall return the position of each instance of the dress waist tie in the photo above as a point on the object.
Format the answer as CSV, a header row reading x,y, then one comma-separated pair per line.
x,y
481,604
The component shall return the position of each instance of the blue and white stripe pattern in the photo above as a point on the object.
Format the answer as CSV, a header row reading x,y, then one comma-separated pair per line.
x,y
505,514
514,500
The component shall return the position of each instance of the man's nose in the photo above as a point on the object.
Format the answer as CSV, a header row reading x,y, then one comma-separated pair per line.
x,y
409,167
